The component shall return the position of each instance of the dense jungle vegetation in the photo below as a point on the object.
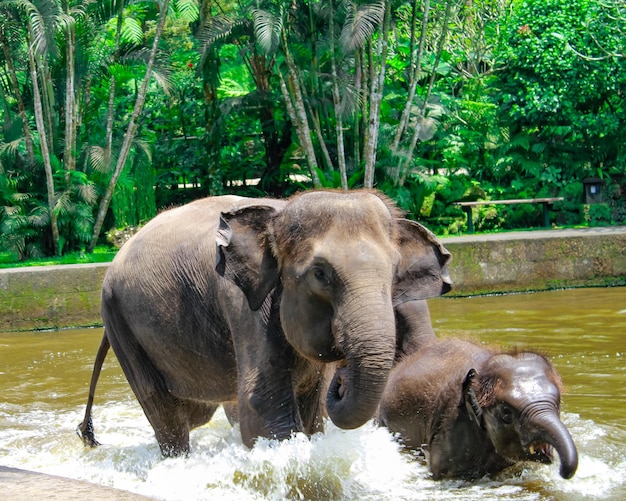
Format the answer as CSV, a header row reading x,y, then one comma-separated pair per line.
x,y
112,110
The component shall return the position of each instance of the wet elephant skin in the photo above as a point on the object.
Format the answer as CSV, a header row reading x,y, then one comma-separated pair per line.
x,y
249,302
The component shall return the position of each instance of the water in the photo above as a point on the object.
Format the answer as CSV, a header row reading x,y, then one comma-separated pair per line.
x,y
44,382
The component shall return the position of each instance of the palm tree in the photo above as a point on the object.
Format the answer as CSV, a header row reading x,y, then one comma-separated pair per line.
x,y
47,31
421,119
9,37
132,127
41,23
319,85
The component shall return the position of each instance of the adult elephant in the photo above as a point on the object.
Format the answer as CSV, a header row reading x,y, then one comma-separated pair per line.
x,y
475,410
246,302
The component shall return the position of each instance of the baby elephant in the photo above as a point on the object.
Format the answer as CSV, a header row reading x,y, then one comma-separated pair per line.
x,y
475,411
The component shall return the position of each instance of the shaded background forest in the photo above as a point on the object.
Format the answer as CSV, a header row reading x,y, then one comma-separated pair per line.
x,y
113,110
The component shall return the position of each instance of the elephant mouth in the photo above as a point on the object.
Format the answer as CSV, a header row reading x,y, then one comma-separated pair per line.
x,y
540,452
338,384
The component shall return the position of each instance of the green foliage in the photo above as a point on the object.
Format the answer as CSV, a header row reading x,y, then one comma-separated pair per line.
x,y
526,99
333,179
568,212
101,254
597,214
563,112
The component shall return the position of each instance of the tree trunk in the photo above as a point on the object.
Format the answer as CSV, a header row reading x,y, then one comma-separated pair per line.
x,y
131,130
297,112
341,154
422,113
376,97
47,99
320,139
108,145
414,73
69,157
45,152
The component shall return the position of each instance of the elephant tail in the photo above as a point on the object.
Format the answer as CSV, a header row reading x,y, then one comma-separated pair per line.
x,y
85,429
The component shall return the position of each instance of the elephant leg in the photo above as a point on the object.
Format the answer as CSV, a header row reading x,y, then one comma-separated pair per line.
x,y
414,327
309,406
267,405
199,413
168,415
172,419
232,412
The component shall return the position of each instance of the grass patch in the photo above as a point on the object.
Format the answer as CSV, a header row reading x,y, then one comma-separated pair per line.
x,y
101,254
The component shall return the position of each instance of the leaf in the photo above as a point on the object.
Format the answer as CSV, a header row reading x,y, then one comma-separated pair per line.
x,y
96,159
221,30
360,24
428,128
188,9
267,28
131,31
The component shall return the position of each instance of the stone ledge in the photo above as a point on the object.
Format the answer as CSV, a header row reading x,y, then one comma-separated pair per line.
x,y
17,484
538,260
54,297
50,297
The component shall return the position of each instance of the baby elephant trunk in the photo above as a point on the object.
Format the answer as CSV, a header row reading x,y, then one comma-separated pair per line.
x,y
555,433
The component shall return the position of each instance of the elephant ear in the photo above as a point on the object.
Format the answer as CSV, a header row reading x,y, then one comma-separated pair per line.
x,y
473,408
423,269
244,255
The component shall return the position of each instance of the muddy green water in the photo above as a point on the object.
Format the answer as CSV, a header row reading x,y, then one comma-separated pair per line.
x,y
44,379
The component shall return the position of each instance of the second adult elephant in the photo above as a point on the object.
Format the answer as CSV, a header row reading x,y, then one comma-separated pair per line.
x,y
246,302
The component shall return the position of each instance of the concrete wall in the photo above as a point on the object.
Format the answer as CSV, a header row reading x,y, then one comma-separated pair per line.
x,y
537,260
51,297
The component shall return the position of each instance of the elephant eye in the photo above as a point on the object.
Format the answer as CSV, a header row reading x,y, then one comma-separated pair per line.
x,y
319,274
507,415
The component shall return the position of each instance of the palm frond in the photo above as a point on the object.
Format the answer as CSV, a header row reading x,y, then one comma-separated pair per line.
x,y
43,18
11,149
142,146
162,75
63,203
267,29
87,193
39,217
131,31
65,21
188,10
96,159
11,211
361,22
20,198
223,29
351,97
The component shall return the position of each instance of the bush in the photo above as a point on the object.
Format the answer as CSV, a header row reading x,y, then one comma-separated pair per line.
x,y
597,214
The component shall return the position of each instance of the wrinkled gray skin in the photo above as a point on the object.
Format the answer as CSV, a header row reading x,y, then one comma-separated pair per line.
x,y
246,302
476,411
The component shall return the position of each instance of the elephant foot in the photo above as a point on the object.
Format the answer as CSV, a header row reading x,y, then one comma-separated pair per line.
x,y
170,451
86,433
173,444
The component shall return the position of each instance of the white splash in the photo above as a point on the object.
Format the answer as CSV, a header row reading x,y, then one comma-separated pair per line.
x,y
365,464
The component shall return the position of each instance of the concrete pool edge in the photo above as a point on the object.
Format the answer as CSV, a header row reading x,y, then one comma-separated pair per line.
x,y
64,296
18,484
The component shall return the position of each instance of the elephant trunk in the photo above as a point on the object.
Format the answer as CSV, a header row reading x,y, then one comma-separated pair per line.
x,y
367,337
554,432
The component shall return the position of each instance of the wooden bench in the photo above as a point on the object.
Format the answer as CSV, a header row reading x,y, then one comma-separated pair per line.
x,y
546,202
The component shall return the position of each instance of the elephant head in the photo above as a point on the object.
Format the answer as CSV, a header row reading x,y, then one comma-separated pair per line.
x,y
515,399
340,262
